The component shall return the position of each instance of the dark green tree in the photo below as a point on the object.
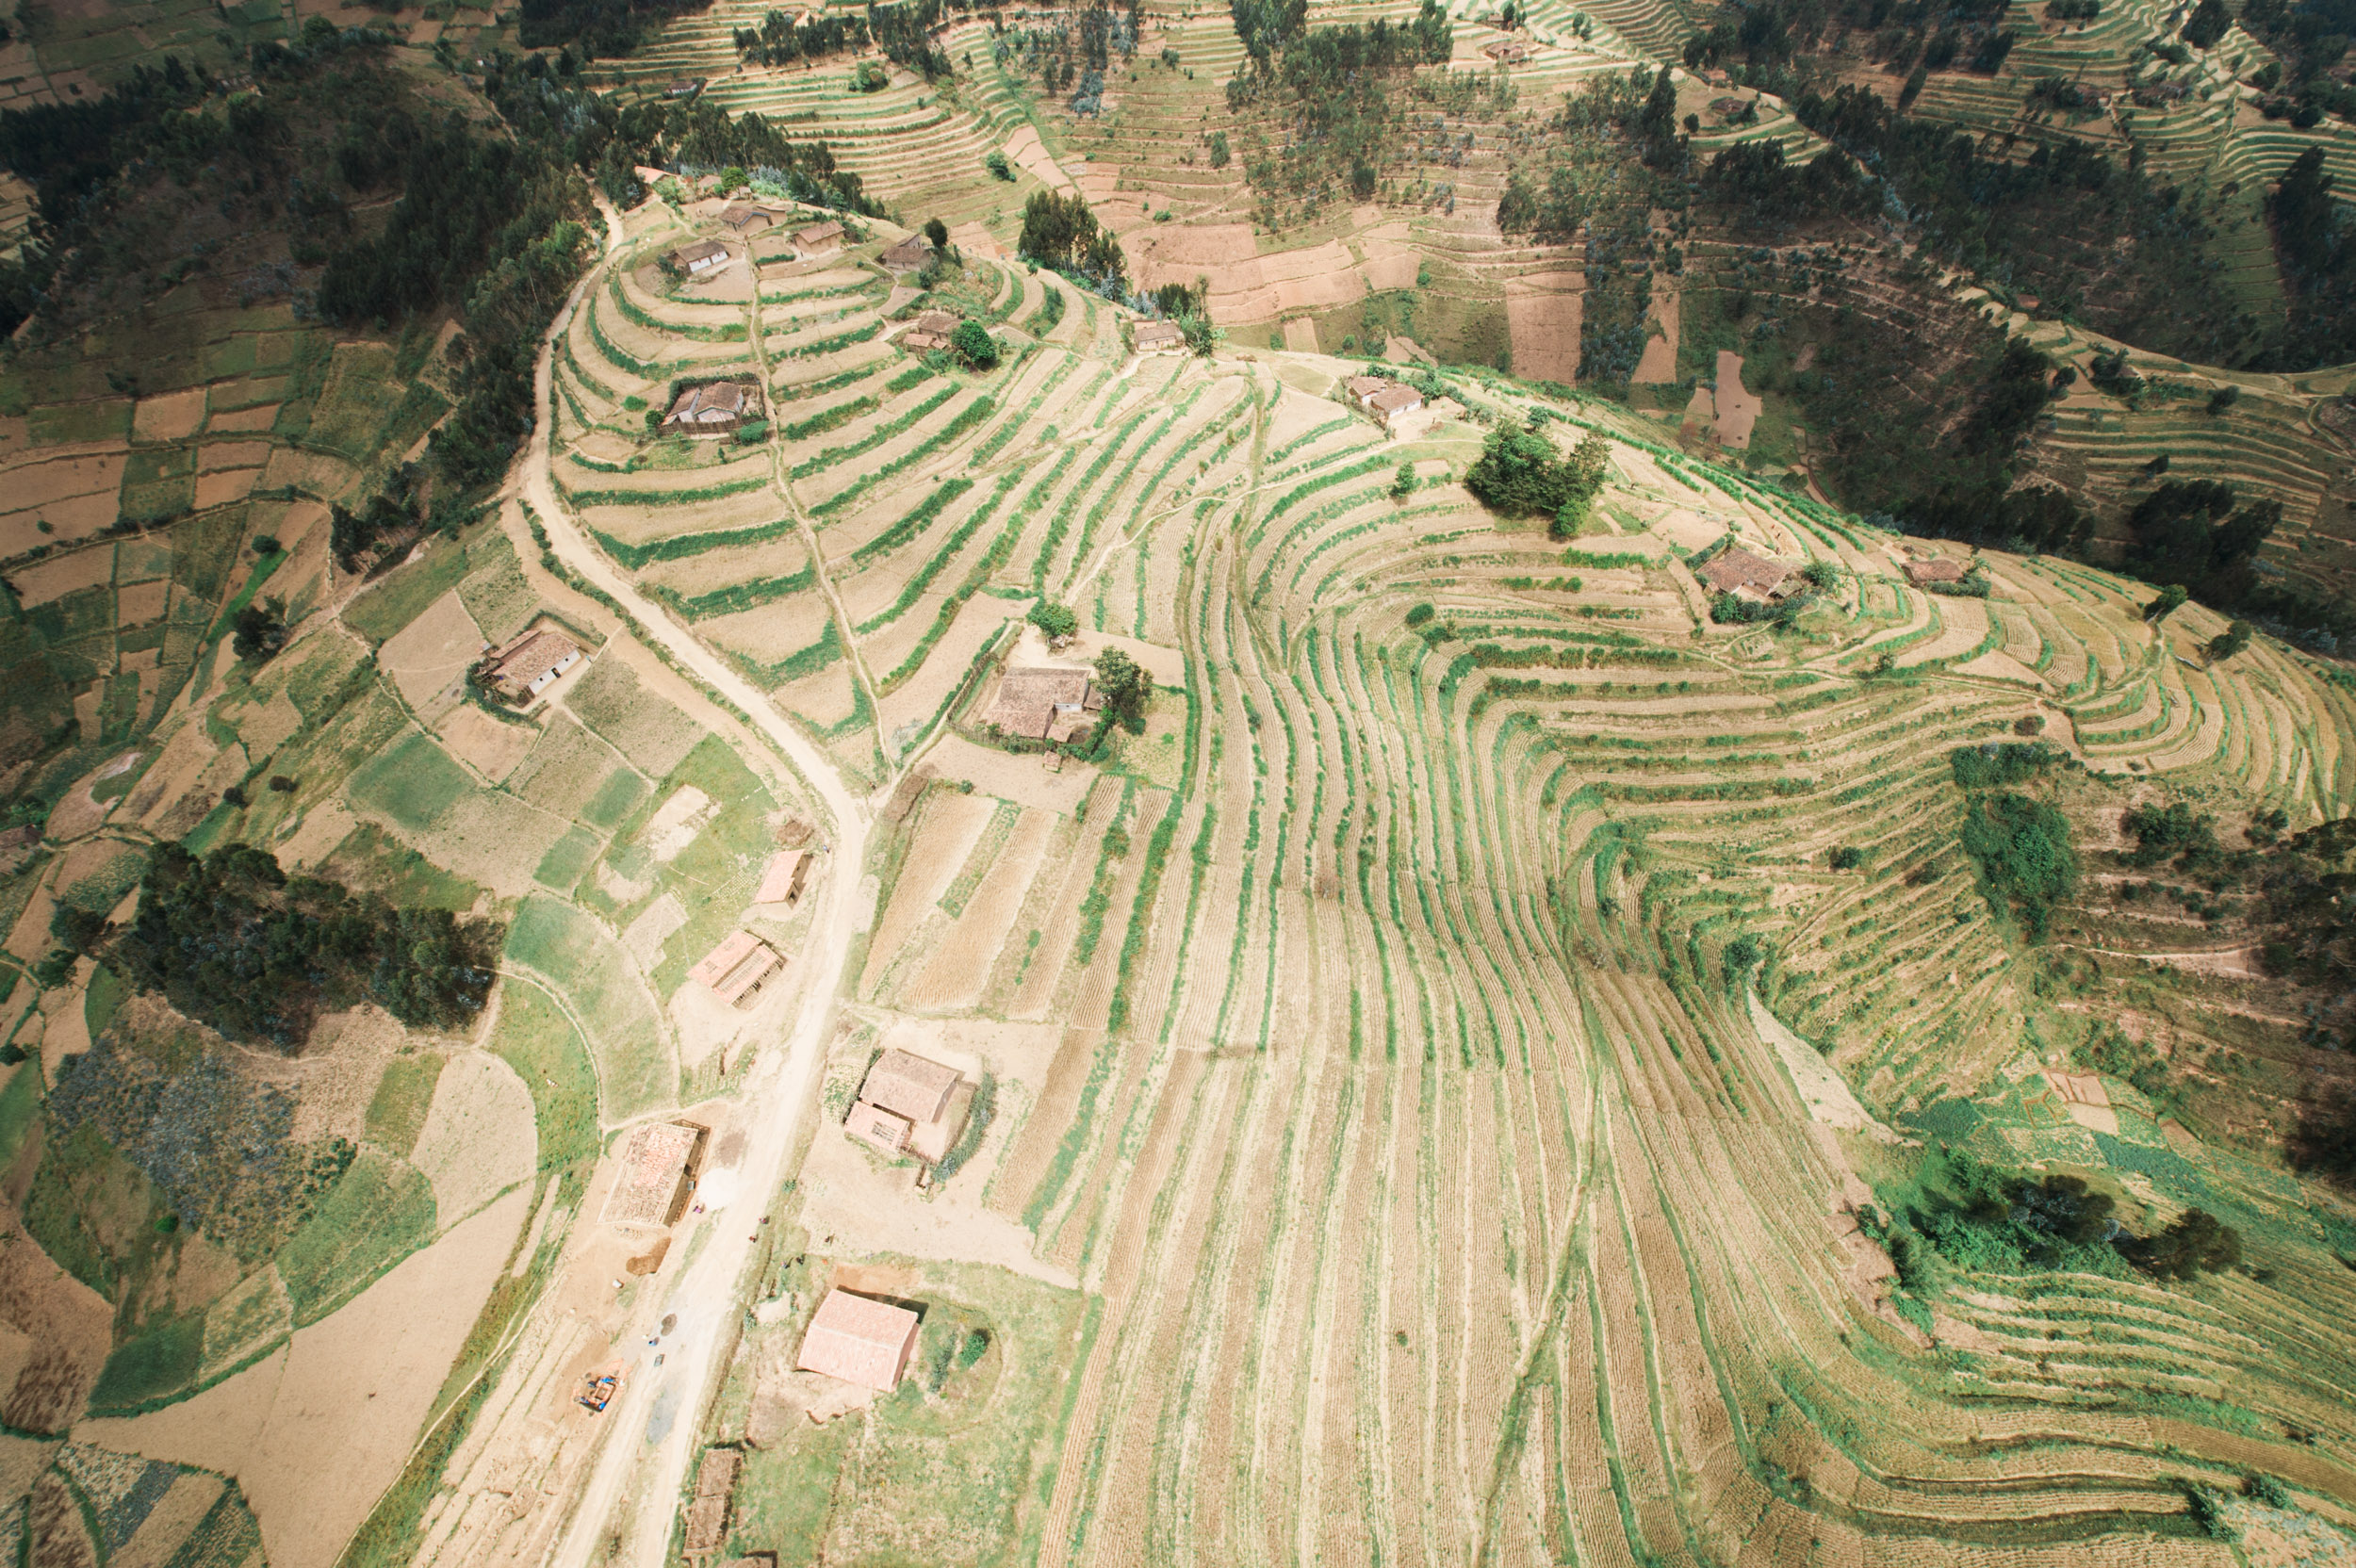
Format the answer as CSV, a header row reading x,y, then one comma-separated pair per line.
x,y
2195,1242
1125,687
261,629
972,344
1055,621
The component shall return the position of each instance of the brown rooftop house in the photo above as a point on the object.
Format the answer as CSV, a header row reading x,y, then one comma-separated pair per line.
x,y
819,239
650,1189
1159,337
527,666
1043,702
931,330
744,220
717,405
736,970
1747,575
782,883
1507,52
910,1105
1936,568
707,1514
701,257
910,255
1363,388
1394,402
860,1341
686,87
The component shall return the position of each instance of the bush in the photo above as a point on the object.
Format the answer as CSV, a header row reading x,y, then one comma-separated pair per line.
x,y
1520,473
1056,621
2169,832
261,629
973,346
1741,956
998,166
1994,766
2027,864
1847,858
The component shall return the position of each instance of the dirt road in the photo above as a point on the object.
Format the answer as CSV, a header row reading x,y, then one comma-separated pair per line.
x,y
651,1431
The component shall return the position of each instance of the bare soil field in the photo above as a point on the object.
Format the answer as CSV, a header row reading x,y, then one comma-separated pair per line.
x,y
1738,410
317,1431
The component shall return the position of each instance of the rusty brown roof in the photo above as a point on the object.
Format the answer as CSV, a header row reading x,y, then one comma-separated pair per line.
x,y
858,1340
1740,568
908,1085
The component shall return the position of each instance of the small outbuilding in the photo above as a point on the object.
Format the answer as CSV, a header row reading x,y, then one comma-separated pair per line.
x,y
1746,576
782,882
819,239
1936,568
708,1512
859,1340
531,664
704,255
910,255
743,219
1362,389
736,970
714,406
932,331
910,1105
1159,337
1043,702
1507,52
685,88
658,1167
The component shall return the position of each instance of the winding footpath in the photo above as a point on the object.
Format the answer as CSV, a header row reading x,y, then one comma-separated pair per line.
x,y
650,1434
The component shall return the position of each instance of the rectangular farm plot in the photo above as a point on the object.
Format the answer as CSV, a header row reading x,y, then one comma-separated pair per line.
x,y
603,991
653,735
415,783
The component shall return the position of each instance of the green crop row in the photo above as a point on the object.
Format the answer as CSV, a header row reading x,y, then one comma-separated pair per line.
x,y
991,560
680,546
842,340
838,381
736,597
664,498
974,413
914,522
872,439
733,333
832,418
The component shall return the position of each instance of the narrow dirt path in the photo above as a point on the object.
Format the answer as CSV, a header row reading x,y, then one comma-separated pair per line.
x,y
642,1459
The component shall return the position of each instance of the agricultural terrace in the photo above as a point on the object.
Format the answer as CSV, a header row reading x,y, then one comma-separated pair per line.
x,y
1373,1135
1653,295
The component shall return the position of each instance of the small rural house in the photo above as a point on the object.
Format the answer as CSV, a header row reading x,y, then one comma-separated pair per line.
x,y
736,970
1043,703
819,239
910,255
1394,403
859,1340
746,220
651,176
717,405
703,256
782,883
1936,568
715,1493
1363,388
530,665
1505,51
658,1167
931,331
686,87
1159,337
1746,576
910,1105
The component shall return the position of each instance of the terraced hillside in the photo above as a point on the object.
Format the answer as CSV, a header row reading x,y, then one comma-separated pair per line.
x,y
1440,1106
1425,259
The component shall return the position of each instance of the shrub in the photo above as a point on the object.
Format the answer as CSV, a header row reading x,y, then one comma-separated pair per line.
x,y
1418,616
1403,481
1992,766
2173,831
972,344
998,166
1056,620
1219,154
1847,858
1741,956
2027,864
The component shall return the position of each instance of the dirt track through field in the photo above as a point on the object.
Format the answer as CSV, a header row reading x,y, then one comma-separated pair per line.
x,y
782,1087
